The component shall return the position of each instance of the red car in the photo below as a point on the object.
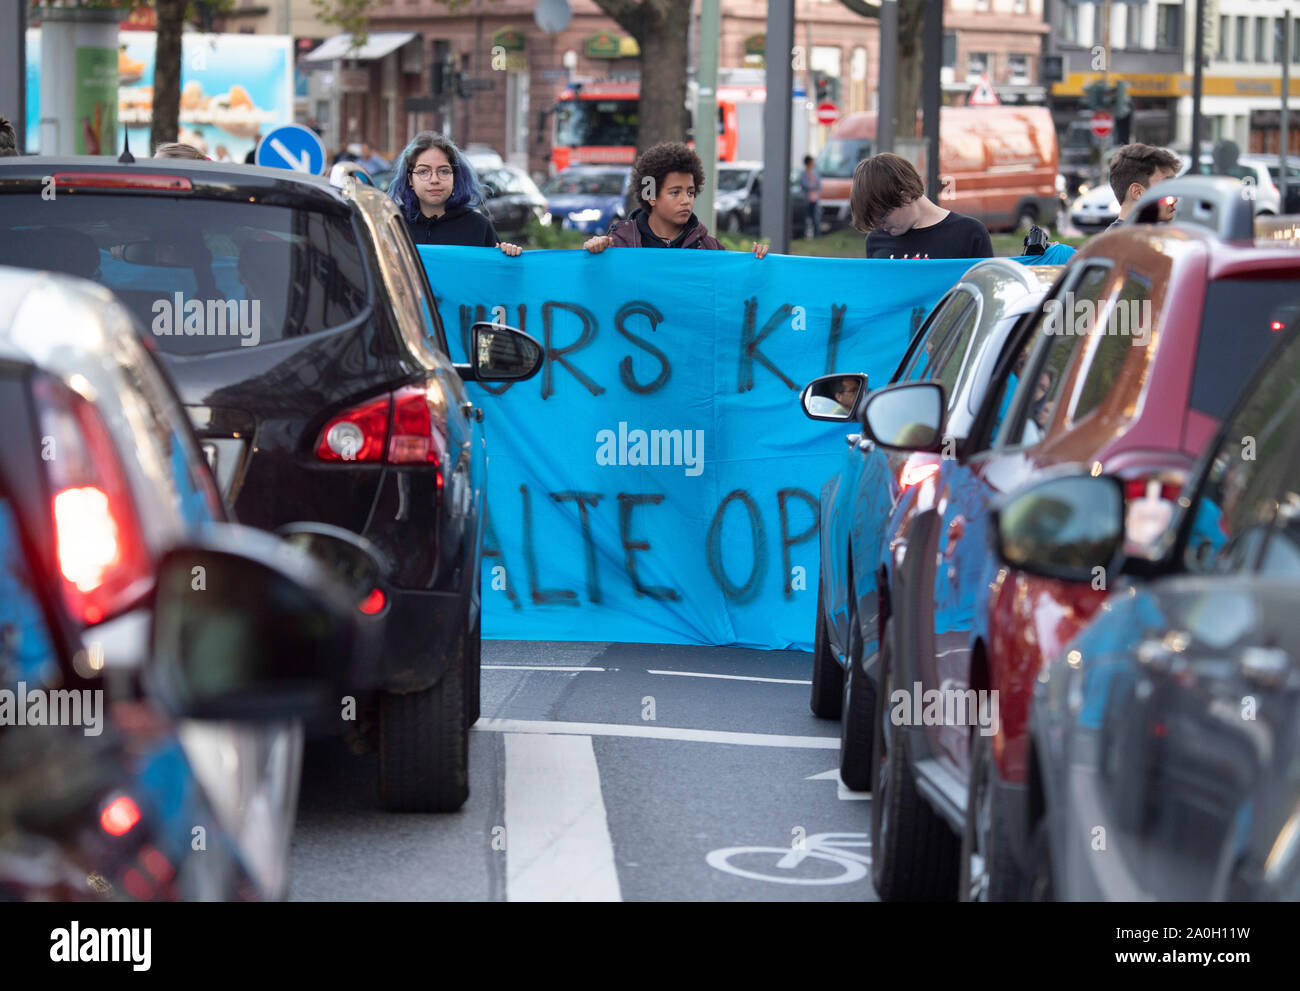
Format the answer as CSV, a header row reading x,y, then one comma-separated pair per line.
x,y
1127,368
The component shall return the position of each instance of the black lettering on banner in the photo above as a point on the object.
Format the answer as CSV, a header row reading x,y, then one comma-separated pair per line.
x,y
492,549
638,308
749,590
554,355
750,341
787,541
833,340
627,501
470,317
541,596
585,499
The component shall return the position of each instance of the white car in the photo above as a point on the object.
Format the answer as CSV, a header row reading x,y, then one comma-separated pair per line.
x,y
1253,171
1095,210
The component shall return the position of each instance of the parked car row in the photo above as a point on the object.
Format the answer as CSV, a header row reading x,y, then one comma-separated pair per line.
x,y
199,343
1104,705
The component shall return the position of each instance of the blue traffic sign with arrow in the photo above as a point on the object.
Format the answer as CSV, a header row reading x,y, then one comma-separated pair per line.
x,y
294,147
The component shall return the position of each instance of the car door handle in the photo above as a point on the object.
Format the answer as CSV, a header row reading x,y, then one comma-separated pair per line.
x,y
853,439
468,409
1265,666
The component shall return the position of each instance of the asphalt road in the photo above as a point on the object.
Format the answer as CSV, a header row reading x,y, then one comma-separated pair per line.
x,y
607,772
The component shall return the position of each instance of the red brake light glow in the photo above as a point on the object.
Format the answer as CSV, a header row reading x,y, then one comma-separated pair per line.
x,y
356,434
374,603
414,439
122,180
363,433
100,549
119,816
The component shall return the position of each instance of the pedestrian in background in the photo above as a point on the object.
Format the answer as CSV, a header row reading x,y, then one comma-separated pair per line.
x,y
177,149
439,195
811,184
8,139
666,178
889,204
1135,168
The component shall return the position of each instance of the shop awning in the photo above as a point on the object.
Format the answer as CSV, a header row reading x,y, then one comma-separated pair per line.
x,y
377,45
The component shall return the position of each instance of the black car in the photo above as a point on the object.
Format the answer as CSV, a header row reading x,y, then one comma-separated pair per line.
x,y
1166,737
297,324
512,200
738,200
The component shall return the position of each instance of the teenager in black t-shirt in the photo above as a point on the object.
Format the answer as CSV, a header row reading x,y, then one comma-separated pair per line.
x,y
889,204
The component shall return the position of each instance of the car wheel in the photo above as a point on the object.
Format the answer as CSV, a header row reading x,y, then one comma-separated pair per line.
x,y
913,852
1039,885
424,747
472,658
988,870
856,768
827,675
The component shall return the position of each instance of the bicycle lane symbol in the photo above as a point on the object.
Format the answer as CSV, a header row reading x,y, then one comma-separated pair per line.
x,y
794,864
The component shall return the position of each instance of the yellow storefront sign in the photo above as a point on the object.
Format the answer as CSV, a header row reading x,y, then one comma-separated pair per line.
x,y
1178,84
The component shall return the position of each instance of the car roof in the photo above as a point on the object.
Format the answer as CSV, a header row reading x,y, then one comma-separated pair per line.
x,y
211,180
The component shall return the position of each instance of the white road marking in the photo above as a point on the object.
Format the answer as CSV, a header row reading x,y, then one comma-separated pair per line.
x,y
842,791
541,726
558,846
733,677
535,667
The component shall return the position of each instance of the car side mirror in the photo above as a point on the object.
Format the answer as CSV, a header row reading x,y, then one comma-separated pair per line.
x,y
1065,527
906,417
247,627
833,397
500,354
353,560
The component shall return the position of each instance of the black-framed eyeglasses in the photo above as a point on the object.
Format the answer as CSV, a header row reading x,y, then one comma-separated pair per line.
x,y
424,173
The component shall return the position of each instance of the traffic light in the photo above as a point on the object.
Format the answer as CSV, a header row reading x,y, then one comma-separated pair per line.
x,y
826,87
1123,103
1094,95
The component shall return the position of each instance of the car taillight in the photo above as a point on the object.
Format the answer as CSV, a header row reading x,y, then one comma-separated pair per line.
x,y
123,181
1149,500
99,545
399,428
916,470
357,434
119,816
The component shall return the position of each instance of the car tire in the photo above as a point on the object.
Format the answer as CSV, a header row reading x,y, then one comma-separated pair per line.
x,y
827,675
1026,218
424,747
472,658
1039,885
856,768
913,852
986,835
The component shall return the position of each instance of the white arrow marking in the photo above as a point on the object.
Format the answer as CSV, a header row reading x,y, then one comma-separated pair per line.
x,y
841,792
298,166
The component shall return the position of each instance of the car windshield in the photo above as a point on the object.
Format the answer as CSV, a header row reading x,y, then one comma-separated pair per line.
x,y
730,180
586,184
202,275
596,123
841,156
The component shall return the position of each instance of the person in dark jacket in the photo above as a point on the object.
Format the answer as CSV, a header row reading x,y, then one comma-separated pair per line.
x,y
439,195
666,178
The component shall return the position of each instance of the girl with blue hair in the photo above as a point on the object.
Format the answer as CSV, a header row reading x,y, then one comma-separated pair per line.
x,y
439,195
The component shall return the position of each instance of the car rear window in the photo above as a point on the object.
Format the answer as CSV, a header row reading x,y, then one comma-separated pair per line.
x,y
245,273
1242,319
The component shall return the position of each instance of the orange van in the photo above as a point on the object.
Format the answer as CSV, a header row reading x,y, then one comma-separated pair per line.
x,y
997,164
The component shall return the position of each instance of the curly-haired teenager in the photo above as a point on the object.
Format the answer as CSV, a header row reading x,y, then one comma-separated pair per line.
x,y
666,178
439,196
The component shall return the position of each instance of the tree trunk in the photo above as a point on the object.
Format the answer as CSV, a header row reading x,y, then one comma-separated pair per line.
x,y
911,34
167,74
660,28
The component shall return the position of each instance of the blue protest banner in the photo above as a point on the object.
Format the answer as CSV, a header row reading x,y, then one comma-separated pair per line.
x,y
657,480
